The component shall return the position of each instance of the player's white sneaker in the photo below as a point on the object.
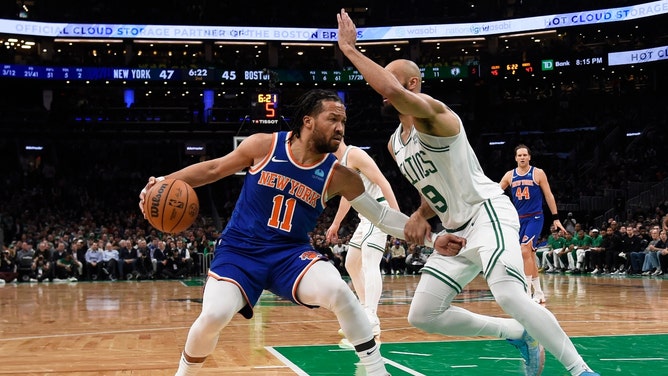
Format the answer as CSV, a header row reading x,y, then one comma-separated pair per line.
x,y
539,297
375,322
345,344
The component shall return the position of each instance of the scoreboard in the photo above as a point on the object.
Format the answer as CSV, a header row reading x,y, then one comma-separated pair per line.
x,y
129,74
547,65
204,74
512,69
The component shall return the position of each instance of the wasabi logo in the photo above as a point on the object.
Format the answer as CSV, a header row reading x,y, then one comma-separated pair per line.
x,y
427,30
491,28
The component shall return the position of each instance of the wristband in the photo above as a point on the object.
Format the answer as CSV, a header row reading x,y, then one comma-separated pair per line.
x,y
555,216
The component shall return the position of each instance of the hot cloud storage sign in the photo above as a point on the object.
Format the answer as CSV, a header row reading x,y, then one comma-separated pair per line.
x,y
645,55
24,27
607,15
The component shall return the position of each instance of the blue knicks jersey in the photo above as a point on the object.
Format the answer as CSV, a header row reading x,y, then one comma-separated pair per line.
x,y
526,194
281,199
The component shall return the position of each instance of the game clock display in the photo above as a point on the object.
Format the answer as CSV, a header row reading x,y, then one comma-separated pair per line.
x,y
265,108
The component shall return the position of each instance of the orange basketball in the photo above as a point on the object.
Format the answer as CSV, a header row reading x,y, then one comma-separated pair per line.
x,y
171,206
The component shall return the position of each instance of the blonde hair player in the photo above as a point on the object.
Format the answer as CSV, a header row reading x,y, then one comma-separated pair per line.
x,y
528,186
367,245
433,153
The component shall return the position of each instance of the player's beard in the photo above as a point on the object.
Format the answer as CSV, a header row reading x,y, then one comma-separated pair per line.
x,y
322,143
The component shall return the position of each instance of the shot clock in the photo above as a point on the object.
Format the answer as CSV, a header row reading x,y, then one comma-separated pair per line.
x,y
265,108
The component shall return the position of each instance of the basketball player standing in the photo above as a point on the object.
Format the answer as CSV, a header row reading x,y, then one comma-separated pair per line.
x,y
367,245
528,186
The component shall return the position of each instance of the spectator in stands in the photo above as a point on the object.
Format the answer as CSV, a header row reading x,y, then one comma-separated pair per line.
x,y
173,267
159,259
127,255
630,245
644,236
41,265
59,252
555,244
662,250
143,264
651,255
7,267
110,261
197,244
582,243
153,244
184,255
340,250
563,258
541,248
66,268
398,260
569,223
24,260
25,250
415,259
385,262
94,261
80,257
612,246
597,254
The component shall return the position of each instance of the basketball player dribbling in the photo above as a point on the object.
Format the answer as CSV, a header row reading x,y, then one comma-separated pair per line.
x,y
266,245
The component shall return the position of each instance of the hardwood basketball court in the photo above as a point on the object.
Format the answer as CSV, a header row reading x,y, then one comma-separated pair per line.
x,y
139,328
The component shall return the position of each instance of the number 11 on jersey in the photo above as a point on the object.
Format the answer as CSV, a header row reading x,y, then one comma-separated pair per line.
x,y
275,221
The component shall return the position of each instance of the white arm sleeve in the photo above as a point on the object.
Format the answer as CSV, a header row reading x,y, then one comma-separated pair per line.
x,y
389,220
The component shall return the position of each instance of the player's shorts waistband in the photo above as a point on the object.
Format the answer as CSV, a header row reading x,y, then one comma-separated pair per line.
x,y
531,214
460,228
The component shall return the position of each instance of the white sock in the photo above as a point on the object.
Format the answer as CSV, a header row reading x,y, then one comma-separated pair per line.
x,y
186,368
535,281
528,282
373,361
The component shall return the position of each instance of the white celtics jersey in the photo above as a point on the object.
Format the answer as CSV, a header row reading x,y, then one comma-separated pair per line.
x,y
446,172
370,187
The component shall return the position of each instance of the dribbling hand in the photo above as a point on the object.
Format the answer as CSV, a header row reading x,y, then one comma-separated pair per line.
x,y
151,182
